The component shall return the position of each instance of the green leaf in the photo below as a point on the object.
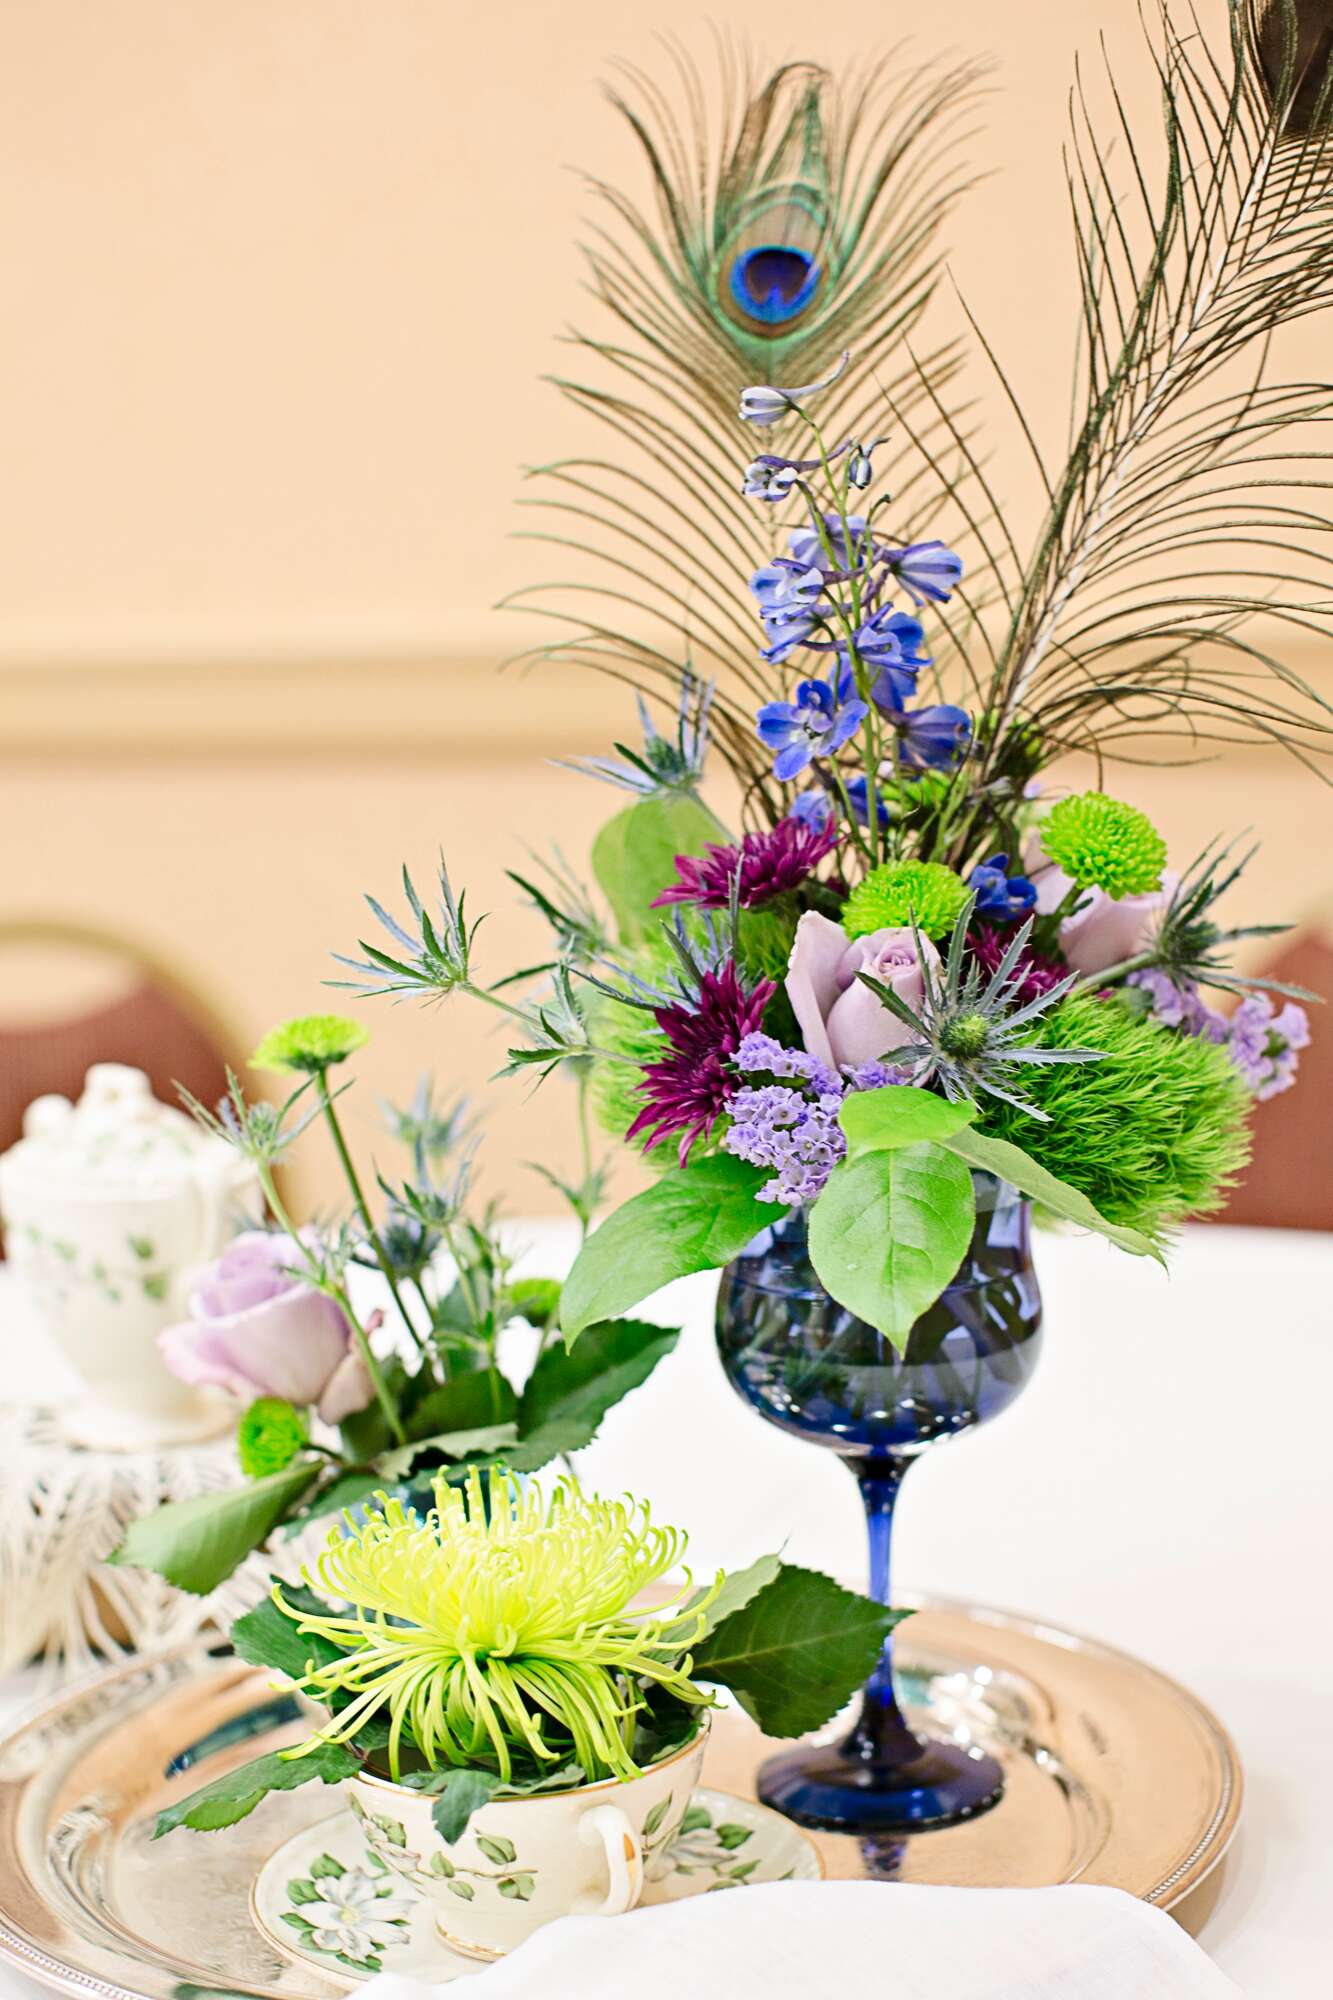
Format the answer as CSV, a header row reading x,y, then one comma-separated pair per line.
x,y
490,1439
634,856
326,1864
890,1230
732,1835
655,1816
1012,1164
196,1544
737,1589
461,1793
475,1401
694,1218
899,1115
500,1851
231,1797
348,1489
463,1890
797,1651
570,1391
265,1637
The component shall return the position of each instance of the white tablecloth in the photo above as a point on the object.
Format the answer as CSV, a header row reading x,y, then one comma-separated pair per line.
x,y
1165,1483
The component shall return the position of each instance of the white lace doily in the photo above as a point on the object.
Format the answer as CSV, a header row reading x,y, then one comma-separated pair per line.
x,y
62,1510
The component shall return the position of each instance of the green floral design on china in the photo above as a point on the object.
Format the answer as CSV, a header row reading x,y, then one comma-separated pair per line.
x,y
387,1840
352,1914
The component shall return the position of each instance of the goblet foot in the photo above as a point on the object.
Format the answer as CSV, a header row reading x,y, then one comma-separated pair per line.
x,y
828,1785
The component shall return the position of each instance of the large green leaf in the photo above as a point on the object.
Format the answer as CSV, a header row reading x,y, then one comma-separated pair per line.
x,y
694,1218
266,1637
1012,1164
473,1401
899,1115
889,1231
230,1798
571,1390
796,1651
634,855
196,1544
737,1590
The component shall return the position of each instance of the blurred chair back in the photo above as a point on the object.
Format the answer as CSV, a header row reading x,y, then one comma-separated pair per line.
x,y
1289,1181
72,995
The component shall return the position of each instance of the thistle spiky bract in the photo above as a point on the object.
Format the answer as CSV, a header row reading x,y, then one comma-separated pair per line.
x,y
970,1028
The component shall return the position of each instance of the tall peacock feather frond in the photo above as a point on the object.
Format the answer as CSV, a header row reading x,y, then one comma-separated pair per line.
x,y
793,217
1188,523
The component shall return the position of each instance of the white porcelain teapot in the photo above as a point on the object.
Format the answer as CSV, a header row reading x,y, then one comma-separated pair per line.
x,y
109,1205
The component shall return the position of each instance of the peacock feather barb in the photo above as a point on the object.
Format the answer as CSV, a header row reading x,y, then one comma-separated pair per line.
x,y
1186,531
792,217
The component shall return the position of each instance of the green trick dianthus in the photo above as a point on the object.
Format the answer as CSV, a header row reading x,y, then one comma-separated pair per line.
x,y
1104,844
1152,1134
902,892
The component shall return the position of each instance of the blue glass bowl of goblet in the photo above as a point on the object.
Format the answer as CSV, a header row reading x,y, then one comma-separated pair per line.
x,y
808,1365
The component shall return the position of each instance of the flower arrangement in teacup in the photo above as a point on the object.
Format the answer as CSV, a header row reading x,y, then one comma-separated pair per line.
x,y
459,1365
519,1733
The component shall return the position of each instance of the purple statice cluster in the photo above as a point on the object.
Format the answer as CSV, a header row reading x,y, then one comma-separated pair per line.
x,y
1264,1043
790,1125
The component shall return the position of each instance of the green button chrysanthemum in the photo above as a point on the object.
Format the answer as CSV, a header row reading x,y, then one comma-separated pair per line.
x,y
313,1043
269,1436
903,892
1105,844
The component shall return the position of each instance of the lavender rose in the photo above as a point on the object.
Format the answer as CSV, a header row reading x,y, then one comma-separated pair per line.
x,y
842,1021
257,1330
1103,930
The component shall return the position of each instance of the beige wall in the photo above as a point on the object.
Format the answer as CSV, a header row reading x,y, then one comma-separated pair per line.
x,y
278,279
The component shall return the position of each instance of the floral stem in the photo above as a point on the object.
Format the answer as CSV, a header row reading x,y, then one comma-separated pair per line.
x,y
362,1206
1139,963
338,1293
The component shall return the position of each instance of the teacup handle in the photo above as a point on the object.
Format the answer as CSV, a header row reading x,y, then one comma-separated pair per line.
x,y
624,1860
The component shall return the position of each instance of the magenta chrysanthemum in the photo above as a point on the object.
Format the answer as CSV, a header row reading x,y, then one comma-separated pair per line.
x,y
688,1090
1037,974
769,863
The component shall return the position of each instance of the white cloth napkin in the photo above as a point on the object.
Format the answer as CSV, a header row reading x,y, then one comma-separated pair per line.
x,y
806,1940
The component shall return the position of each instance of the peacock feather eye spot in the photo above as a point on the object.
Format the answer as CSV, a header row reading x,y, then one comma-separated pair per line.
x,y
774,282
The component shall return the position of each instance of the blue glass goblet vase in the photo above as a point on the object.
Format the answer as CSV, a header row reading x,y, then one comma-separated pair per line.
x,y
812,1368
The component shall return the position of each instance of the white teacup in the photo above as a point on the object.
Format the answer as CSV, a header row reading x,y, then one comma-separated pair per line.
x,y
523,1862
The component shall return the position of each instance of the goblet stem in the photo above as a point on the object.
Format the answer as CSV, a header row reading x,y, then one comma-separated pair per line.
x,y
881,1737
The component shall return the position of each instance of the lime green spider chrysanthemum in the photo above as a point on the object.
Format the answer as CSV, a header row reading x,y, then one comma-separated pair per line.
x,y
904,892
1104,844
309,1045
501,1626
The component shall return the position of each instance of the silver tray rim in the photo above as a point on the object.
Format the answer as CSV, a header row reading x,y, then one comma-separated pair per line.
x,y
1182,1880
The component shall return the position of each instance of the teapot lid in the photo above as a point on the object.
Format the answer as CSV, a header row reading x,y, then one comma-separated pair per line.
x,y
116,1140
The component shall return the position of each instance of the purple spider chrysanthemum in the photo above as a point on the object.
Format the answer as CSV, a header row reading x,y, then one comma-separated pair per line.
x,y
1036,973
688,1090
768,864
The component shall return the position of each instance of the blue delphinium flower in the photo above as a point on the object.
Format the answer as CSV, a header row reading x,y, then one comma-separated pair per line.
x,y
764,404
934,738
893,638
769,477
1002,897
812,808
814,724
788,598
858,790
927,571
860,471
834,552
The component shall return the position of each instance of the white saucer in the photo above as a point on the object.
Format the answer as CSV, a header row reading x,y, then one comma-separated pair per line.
x,y
325,1899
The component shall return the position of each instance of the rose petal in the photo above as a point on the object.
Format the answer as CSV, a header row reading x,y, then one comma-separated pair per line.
x,y
287,1346
1103,931
812,979
347,1390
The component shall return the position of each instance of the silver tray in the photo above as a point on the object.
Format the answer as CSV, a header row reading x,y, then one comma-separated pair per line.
x,y
1114,1775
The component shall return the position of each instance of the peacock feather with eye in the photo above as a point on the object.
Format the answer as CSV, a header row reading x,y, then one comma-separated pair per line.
x,y
789,217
